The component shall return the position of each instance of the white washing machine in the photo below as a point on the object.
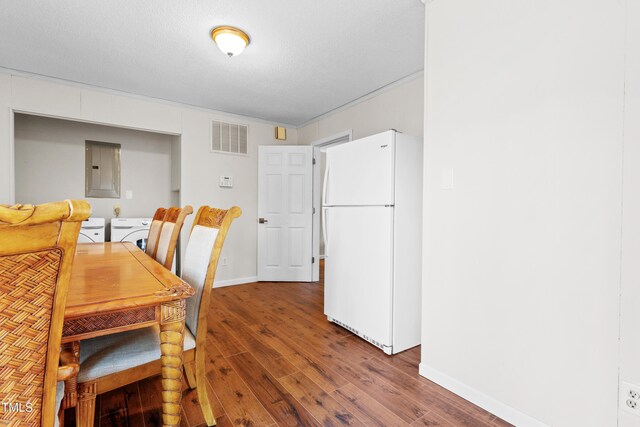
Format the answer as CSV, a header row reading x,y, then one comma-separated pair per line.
x,y
92,231
134,230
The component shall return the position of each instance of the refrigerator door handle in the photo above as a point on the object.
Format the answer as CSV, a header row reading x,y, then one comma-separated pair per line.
x,y
324,232
324,185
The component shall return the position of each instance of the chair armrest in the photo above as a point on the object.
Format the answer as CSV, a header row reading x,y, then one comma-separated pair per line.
x,y
67,372
69,365
68,356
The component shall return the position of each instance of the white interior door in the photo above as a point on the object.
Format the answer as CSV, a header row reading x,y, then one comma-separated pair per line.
x,y
285,213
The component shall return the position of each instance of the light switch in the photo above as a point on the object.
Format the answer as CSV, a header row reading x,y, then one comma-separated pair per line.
x,y
226,181
447,179
128,194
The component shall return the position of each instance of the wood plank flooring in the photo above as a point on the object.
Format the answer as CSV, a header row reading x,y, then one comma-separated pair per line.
x,y
273,359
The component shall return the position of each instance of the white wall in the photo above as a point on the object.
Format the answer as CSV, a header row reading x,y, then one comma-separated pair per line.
x,y
50,165
176,171
630,293
398,107
199,167
200,172
522,257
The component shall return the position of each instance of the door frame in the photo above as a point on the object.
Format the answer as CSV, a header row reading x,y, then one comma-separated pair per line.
x,y
318,145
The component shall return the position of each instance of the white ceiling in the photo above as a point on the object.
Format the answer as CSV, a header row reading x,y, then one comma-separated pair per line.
x,y
306,57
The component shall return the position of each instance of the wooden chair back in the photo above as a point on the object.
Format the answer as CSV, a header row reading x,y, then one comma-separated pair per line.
x,y
169,234
154,232
37,246
208,233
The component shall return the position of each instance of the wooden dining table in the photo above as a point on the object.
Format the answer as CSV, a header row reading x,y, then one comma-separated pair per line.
x,y
116,287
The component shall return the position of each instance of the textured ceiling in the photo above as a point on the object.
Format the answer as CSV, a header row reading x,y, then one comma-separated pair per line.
x,y
306,57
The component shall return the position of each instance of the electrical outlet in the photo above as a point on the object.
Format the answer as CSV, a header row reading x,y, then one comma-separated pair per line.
x,y
224,261
630,397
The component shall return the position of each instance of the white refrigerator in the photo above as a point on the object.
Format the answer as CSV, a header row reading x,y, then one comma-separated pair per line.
x,y
372,223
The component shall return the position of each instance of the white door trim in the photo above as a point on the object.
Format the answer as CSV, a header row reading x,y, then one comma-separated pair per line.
x,y
318,145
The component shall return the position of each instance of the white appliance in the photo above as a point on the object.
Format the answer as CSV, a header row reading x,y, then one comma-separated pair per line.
x,y
372,219
134,230
92,231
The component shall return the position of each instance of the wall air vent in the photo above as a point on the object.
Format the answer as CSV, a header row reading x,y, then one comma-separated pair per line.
x,y
228,138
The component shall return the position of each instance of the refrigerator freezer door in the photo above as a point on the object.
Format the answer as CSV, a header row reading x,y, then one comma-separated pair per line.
x,y
359,269
361,172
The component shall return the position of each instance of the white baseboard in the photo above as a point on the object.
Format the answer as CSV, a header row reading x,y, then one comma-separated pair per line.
x,y
484,401
231,282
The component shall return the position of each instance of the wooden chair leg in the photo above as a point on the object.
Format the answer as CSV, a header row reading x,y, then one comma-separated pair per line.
x,y
86,407
201,384
190,376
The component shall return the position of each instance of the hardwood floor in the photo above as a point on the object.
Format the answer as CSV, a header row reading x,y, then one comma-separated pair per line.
x,y
273,359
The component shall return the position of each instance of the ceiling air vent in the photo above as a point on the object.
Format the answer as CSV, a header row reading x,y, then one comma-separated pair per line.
x,y
229,138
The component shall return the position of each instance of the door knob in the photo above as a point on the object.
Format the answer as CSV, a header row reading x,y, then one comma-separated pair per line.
x,y
262,220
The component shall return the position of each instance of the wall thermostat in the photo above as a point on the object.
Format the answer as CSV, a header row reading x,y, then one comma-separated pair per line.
x,y
226,181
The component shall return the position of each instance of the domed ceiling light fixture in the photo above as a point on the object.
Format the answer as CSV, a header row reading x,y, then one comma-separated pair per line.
x,y
230,40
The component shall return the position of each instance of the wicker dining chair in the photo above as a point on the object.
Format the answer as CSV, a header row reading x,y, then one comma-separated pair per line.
x,y
169,233
37,246
113,361
154,232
